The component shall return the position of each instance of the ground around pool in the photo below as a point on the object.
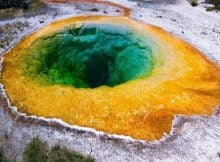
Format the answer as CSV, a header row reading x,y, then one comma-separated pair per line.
x,y
195,25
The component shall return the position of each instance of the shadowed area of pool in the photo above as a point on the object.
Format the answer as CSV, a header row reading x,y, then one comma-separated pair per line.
x,y
88,56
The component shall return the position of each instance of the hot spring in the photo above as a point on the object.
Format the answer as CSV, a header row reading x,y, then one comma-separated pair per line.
x,y
112,74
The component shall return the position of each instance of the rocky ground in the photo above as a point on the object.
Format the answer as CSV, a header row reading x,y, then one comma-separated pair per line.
x,y
192,138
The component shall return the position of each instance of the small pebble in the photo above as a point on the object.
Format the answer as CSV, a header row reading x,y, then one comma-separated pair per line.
x,y
218,153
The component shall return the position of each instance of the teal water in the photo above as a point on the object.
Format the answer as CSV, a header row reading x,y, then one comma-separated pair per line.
x,y
88,56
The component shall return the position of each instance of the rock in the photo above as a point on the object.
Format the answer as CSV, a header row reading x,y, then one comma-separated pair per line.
x,y
204,33
94,10
41,21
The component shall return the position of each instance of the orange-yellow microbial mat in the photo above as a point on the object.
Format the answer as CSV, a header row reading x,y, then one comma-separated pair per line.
x,y
180,81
